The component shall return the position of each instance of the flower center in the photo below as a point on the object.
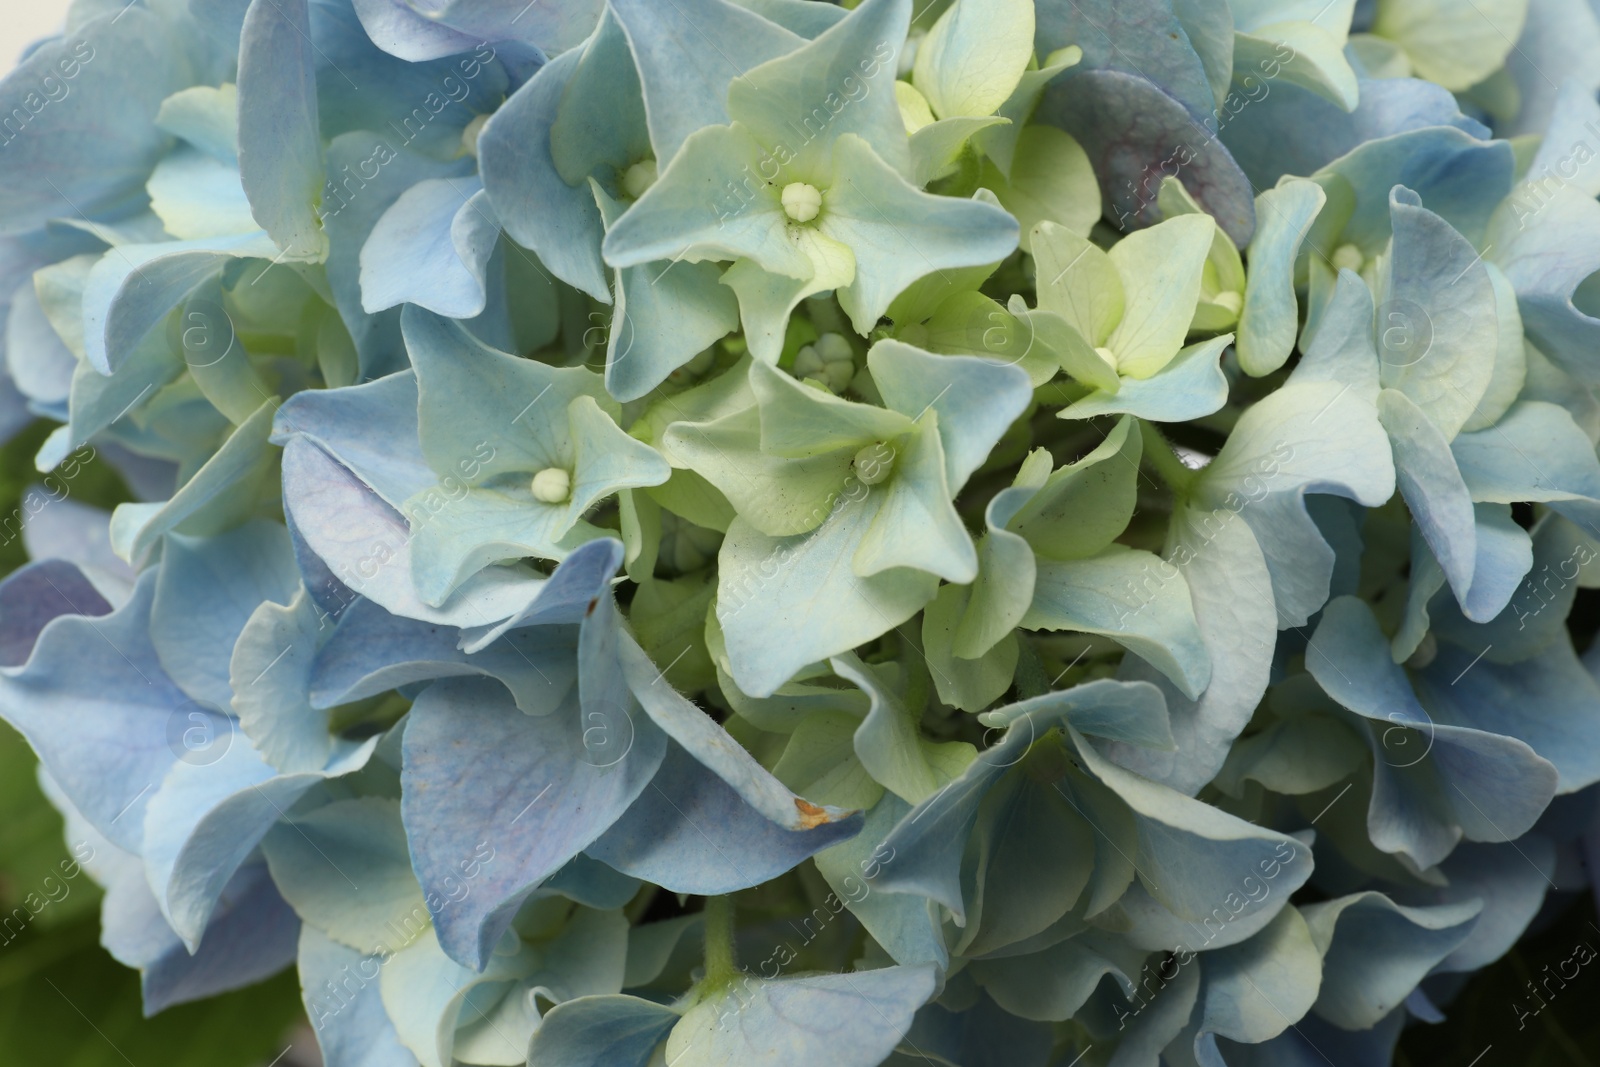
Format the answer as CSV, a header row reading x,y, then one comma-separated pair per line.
x,y
1348,257
639,177
801,201
469,136
874,463
553,485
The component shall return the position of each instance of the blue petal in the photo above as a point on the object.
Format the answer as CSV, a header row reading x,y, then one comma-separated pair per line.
x,y
367,544
133,288
402,31
355,1031
1510,880
1143,38
280,144
1433,487
1191,387
691,832
35,595
93,150
1378,951
1291,130
1134,133
685,90
431,249
1548,701
372,652
1460,178
360,189
546,786
1421,767
539,209
600,1031
128,716
213,807
207,590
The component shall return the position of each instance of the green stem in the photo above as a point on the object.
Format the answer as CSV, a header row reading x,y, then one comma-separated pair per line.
x,y
720,964
1159,454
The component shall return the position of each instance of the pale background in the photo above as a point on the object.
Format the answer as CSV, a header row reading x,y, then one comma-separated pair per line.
x,y
24,21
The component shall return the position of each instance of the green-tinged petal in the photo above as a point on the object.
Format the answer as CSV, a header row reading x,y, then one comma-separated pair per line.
x,y
1270,318
1160,269
899,233
801,104
1437,329
1191,386
1050,181
1456,43
1133,597
889,744
937,147
709,203
1079,282
799,420
976,399
1258,988
767,299
853,1019
366,834
222,493
606,459
820,762
1510,359
1082,507
973,58
1231,589
453,542
969,684
1433,487
784,602
972,324
677,48
774,495
917,525
1315,55
482,413
999,143
1063,344
1004,586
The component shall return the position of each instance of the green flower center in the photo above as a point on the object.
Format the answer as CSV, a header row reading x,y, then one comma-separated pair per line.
x,y
1348,257
553,485
802,201
640,177
874,463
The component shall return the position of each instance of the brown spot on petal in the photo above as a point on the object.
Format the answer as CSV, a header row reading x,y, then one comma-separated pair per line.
x,y
811,816
592,605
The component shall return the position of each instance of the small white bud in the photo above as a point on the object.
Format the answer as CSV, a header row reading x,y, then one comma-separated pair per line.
x,y
801,201
553,485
